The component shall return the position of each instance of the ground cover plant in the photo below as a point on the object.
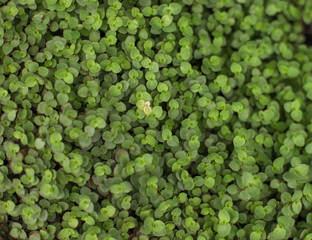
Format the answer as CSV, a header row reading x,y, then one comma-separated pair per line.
x,y
155,119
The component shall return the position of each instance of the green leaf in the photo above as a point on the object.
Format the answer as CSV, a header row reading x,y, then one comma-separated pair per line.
x,y
224,216
224,230
279,232
158,226
236,68
238,141
308,148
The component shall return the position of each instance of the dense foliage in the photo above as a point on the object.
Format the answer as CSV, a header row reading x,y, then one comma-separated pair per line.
x,y
155,119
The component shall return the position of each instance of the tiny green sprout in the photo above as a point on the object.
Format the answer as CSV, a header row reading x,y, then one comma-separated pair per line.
x,y
144,106
147,109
